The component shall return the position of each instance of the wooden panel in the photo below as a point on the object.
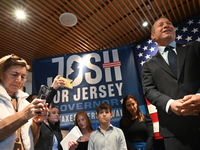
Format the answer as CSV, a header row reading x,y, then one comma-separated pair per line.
x,y
102,24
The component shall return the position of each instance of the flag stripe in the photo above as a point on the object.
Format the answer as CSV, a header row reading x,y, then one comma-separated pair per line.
x,y
156,127
157,135
151,108
112,64
154,117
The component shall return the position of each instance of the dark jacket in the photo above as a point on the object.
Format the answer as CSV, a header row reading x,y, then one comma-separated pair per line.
x,y
161,84
45,141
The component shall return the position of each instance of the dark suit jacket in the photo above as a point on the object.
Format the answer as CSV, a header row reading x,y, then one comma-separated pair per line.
x,y
160,84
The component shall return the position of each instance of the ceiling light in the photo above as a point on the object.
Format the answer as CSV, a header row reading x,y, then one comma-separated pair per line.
x,y
20,14
144,24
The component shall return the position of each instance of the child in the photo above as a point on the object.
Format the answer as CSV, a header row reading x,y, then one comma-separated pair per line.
x,y
106,136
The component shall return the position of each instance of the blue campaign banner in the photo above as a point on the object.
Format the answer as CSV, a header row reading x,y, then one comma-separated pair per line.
x,y
104,76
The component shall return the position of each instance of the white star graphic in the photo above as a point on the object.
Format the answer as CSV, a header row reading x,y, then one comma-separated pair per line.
x,y
189,38
140,55
176,28
198,39
149,41
190,22
145,48
184,29
147,56
195,30
142,63
152,49
138,46
179,37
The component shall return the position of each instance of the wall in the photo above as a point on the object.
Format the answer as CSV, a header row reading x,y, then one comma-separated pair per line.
x,y
28,83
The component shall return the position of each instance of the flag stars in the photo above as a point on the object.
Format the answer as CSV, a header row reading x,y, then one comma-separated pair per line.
x,y
190,22
142,62
179,37
145,48
184,29
140,55
176,28
195,30
152,49
147,56
149,41
198,40
189,38
138,46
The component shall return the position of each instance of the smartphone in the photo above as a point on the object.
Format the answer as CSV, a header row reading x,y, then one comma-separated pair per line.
x,y
43,92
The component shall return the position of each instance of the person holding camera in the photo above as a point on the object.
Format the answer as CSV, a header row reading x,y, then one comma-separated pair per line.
x,y
19,123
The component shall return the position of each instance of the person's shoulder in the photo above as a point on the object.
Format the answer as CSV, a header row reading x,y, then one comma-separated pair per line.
x,y
118,132
21,94
94,132
44,125
152,59
148,120
146,115
94,135
193,43
117,129
148,63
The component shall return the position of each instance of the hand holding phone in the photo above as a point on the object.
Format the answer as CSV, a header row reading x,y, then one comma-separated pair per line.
x,y
42,94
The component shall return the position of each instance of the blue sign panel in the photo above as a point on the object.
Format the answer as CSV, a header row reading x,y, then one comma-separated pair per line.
x,y
104,76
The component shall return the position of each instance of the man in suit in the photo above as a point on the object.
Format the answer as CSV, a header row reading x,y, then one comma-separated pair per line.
x,y
174,92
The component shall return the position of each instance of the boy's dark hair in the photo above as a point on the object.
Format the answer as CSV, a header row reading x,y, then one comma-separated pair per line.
x,y
104,106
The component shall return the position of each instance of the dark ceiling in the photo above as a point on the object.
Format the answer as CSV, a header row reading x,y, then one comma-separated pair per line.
x,y
102,24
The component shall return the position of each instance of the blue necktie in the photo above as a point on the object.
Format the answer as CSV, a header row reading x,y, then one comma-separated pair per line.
x,y
172,58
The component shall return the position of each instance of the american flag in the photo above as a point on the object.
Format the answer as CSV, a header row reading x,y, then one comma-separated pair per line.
x,y
186,31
